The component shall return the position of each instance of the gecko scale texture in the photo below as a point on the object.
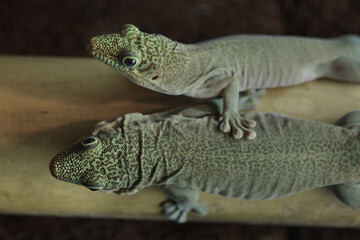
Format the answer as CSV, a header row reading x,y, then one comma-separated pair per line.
x,y
226,66
184,154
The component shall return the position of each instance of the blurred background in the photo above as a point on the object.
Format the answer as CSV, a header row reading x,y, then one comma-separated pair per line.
x,y
62,27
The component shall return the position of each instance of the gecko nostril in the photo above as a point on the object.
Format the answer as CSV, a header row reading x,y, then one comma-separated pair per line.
x,y
155,77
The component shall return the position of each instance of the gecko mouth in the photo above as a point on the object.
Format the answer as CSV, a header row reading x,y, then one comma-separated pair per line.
x,y
132,76
106,60
93,186
101,189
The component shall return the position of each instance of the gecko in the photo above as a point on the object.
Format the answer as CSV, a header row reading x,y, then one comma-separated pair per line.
x,y
183,152
225,66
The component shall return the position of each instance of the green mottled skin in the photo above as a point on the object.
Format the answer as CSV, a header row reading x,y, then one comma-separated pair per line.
x,y
184,154
226,66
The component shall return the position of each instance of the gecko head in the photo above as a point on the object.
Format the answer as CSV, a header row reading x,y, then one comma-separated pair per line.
x,y
94,162
149,60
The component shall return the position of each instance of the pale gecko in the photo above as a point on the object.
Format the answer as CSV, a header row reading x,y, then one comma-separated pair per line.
x,y
226,66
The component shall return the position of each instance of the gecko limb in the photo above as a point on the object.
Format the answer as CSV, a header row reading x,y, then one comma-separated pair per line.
x,y
231,119
248,100
341,68
348,193
182,201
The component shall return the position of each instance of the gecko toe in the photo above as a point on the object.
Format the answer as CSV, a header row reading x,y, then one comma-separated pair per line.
x,y
174,215
251,135
225,126
237,133
177,211
169,207
183,217
237,125
248,122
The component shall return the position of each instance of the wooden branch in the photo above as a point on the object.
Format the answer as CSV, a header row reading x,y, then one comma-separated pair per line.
x,y
48,103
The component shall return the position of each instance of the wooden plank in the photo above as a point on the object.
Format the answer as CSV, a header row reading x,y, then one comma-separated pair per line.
x,y
47,103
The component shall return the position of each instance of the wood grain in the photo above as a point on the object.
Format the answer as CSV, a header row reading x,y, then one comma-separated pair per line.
x,y
47,103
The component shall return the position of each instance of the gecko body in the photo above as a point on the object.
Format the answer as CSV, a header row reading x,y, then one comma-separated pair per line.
x,y
226,66
184,153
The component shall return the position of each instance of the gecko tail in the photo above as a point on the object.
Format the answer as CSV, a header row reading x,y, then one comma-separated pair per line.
x,y
349,120
348,193
351,39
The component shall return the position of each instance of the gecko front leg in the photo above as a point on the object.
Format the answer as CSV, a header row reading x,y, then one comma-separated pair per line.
x,y
182,201
231,119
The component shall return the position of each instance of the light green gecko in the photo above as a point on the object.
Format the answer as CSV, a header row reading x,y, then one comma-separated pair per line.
x,y
182,151
226,66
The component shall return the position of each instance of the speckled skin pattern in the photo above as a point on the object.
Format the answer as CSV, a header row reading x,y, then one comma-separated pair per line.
x,y
184,154
226,66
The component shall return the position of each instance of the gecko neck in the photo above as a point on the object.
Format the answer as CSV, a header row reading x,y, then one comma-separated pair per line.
x,y
147,160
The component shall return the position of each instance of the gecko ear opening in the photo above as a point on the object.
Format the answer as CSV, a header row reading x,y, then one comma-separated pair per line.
x,y
129,27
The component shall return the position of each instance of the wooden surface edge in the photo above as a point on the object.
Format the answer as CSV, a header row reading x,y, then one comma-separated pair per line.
x,y
47,103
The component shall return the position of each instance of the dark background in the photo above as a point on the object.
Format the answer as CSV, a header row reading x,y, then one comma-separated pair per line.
x,y
43,27
61,27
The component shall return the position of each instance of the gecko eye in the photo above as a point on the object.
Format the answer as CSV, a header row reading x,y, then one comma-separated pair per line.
x,y
129,27
130,60
90,141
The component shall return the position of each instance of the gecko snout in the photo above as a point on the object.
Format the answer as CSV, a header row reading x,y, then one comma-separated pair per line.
x,y
52,167
57,166
90,46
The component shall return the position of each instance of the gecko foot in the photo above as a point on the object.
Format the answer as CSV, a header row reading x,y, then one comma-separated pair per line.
x,y
177,211
235,122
